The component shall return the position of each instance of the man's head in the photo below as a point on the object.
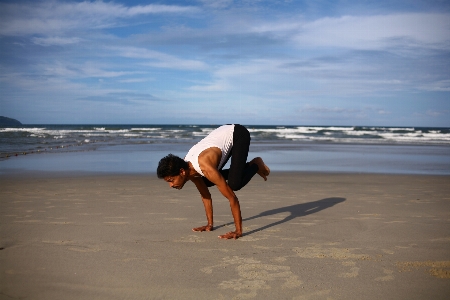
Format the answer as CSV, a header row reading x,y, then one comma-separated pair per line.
x,y
173,170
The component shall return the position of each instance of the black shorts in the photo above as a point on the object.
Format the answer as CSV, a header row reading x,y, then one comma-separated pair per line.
x,y
240,172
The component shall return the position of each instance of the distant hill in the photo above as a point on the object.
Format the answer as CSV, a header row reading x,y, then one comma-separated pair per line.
x,y
8,122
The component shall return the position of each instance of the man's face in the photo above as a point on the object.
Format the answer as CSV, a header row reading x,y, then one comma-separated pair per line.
x,y
177,181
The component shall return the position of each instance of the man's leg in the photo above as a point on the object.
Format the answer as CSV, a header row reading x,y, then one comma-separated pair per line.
x,y
224,174
240,172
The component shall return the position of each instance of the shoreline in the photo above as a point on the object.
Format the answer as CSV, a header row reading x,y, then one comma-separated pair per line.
x,y
21,174
305,158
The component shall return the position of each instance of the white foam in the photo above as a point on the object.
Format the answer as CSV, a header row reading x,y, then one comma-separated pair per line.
x,y
293,136
397,129
132,135
145,129
298,133
339,128
362,132
118,131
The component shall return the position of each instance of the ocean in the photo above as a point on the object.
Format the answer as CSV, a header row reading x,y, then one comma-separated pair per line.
x,y
138,148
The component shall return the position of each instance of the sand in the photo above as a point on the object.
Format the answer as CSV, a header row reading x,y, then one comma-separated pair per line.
x,y
307,236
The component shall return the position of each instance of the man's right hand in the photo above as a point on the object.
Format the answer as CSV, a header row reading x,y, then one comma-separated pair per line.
x,y
208,227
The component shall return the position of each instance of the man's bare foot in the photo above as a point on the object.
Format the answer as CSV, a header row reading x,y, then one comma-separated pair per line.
x,y
263,170
208,227
230,235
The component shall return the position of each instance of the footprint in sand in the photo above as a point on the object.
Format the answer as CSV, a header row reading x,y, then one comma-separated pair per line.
x,y
73,246
387,277
318,251
254,276
354,271
115,223
439,269
191,239
315,295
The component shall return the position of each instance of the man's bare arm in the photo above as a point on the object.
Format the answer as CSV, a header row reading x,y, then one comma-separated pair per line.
x,y
209,161
207,203
215,177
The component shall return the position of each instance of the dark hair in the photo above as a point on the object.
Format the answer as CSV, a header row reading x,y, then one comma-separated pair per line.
x,y
170,166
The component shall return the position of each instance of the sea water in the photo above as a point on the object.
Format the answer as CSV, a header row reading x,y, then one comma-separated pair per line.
x,y
138,148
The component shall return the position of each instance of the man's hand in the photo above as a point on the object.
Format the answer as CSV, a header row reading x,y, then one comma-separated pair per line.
x,y
231,235
208,227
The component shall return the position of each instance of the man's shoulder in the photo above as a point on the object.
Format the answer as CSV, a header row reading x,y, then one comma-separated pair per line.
x,y
210,154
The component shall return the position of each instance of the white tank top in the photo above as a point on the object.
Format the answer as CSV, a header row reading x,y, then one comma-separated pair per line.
x,y
221,138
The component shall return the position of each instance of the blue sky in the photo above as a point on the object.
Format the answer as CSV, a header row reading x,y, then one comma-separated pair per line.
x,y
313,62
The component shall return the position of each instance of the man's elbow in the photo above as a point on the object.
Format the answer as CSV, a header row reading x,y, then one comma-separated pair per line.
x,y
233,200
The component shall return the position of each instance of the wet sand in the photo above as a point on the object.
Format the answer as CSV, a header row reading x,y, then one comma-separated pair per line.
x,y
307,236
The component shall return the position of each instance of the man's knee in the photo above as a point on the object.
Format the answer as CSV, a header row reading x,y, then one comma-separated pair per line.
x,y
235,186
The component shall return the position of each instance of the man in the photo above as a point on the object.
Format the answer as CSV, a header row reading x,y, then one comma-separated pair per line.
x,y
203,166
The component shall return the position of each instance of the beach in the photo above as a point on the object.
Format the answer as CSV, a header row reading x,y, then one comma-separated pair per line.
x,y
307,235
347,103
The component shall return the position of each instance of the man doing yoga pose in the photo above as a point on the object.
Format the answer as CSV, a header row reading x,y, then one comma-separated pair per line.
x,y
203,165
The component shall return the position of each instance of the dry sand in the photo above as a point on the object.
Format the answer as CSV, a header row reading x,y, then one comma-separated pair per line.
x,y
307,236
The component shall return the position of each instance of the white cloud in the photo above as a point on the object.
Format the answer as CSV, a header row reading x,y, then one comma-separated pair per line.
x,y
158,59
241,76
217,4
274,78
383,112
86,70
436,86
42,85
55,41
365,32
158,9
51,16
437,113
328,110
213,87
136,80
376,32
349,31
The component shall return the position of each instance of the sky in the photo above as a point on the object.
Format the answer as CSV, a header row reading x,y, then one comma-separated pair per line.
x,y
253,62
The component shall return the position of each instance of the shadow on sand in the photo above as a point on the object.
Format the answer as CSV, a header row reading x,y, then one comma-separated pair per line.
x,y
296,211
